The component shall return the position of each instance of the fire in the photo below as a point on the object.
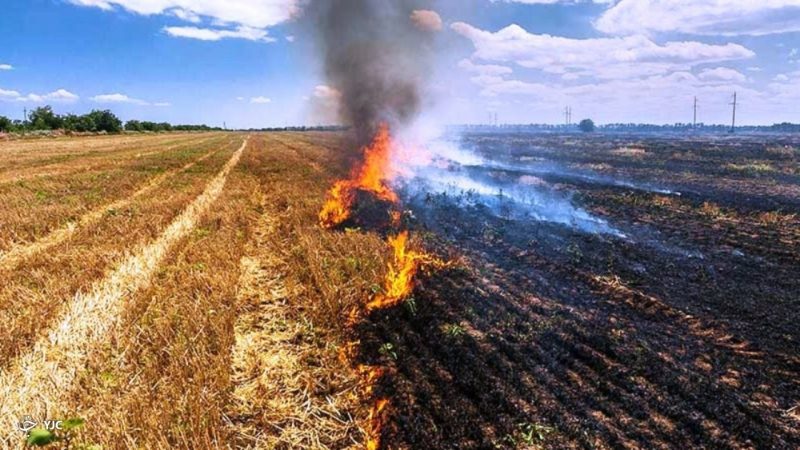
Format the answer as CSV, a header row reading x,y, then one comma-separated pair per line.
x,y
372,176
399,279
376,424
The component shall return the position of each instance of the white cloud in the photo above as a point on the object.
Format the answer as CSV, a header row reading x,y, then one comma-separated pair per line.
x,y
243,19
216,34
290,38
8,94
605,58
323,91
186,15
57,96
552,2
260,100
117,98
706,17
122,98
6,67
251,13
61,95
722,74
484,69
426,20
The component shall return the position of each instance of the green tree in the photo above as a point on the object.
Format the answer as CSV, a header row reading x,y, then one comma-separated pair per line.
x,y
106,121
6,124
133,125
82,123
586,125
43,118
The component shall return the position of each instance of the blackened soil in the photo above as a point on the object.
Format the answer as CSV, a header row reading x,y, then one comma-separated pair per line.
x,y
685,334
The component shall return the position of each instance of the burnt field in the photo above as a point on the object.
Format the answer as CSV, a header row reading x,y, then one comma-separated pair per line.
x,y
604,292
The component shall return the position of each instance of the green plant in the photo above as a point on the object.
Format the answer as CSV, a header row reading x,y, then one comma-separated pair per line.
x,y
453,330
533,433
387,350
411,305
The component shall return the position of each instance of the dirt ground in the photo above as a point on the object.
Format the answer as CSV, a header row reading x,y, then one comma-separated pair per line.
x,y
682,334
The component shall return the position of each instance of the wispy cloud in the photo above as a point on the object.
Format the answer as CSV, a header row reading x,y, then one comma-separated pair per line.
x,y
122,98
57,96
604,58
260,100
253,13
6,67
703,17
216,34
242,19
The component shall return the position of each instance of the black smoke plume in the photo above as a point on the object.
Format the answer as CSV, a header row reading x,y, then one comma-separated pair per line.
x,y
375,56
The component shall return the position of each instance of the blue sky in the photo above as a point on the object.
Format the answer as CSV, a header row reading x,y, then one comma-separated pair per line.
x,y
249,63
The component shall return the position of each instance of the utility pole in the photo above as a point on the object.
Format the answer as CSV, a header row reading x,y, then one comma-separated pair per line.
x,y
224,126
694,122
733,121
24,120
567,115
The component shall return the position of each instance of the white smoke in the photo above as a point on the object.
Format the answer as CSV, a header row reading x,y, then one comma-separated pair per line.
x,y
429,162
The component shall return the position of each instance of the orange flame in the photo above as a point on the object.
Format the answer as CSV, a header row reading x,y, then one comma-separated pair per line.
x,y
376,424
400,278
371,176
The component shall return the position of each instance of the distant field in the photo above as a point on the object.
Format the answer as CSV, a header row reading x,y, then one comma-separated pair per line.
x,y
176,291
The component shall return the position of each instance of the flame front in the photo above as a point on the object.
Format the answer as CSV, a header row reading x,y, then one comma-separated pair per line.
x,y
373,176
399,281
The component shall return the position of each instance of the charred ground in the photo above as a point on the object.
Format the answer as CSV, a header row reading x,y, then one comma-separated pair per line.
x,y
682,334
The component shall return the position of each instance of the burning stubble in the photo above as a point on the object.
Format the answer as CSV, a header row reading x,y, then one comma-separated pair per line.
x,y
375,56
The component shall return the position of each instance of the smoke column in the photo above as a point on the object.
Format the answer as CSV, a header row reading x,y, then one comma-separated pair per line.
x,y
376,56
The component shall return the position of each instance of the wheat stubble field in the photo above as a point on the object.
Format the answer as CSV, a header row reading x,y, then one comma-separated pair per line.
x,y
176,291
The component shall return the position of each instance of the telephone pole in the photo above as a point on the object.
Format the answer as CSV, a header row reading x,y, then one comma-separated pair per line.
x,y
733,121
568,115
24,120
694,121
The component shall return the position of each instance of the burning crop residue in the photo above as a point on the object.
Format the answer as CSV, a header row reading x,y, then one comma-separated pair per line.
x,y
371,176
369,182
402,268
377,57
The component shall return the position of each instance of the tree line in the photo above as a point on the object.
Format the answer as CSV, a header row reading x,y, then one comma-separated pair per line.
x,y
44,118
587,125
